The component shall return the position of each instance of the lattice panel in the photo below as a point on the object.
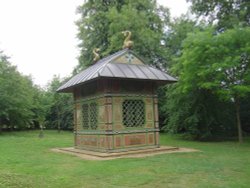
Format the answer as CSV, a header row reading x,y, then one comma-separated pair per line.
x,y
133,113
93,113
89,115
85,116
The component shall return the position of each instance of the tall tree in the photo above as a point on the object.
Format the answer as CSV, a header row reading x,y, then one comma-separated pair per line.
x,y
227,13
17,97
197,110
177,31
60,107
218,63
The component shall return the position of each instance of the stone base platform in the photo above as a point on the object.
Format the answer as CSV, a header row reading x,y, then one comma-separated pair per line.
x,y
92,155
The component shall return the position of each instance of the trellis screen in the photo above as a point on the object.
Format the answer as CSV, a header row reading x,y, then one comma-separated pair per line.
x,y
133,113
89,116
93,115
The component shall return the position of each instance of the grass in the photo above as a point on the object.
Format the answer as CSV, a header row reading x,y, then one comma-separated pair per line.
x,y
26,161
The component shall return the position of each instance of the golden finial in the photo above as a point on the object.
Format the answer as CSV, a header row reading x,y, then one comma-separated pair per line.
x,y
127,42
96,54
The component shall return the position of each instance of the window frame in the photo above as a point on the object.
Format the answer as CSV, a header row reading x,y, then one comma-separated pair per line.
x,y
134,124
90,115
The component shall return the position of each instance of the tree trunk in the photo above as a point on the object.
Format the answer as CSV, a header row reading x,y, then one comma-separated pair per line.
x,y
58,127
237,106
11,127
58,121
1,126
41,135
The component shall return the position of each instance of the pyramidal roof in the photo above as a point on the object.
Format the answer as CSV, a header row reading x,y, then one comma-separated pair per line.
x,y
124,64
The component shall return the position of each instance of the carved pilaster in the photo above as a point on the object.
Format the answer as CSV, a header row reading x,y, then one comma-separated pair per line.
x,y
156,121
109,122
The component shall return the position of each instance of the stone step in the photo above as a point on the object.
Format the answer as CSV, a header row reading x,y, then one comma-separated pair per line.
x,y
118,154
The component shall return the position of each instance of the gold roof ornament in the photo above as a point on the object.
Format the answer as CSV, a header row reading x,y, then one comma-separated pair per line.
x,y
96,54
127,42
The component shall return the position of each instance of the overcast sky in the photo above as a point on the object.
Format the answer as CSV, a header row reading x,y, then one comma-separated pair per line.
x,y
40,35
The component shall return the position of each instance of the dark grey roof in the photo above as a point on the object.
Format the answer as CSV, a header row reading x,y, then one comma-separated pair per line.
x,y
103,68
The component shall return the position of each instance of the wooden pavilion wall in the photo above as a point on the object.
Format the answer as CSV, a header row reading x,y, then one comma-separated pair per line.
x,y
111,135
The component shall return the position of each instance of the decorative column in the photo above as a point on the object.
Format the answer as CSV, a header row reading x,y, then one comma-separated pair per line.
x,y
156,121
109,123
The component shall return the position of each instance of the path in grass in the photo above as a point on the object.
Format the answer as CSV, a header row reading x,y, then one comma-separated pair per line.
x,y
26,161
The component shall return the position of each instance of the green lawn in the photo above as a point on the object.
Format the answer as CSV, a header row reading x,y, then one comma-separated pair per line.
x,y
26,161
